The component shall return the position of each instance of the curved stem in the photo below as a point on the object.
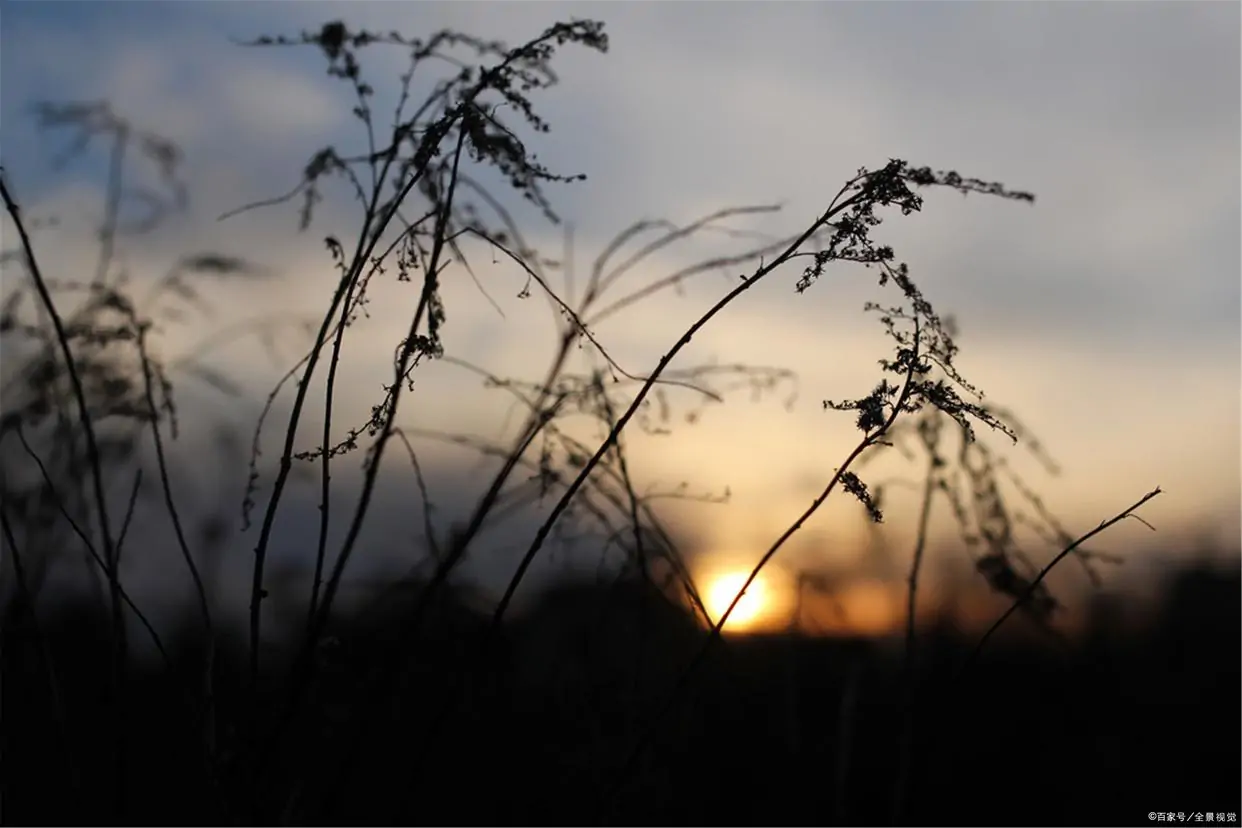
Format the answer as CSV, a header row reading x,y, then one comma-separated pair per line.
x,y
1043,573
867,442
541,536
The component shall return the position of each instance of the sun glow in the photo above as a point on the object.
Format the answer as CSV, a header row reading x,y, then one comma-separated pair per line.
x,y
749,610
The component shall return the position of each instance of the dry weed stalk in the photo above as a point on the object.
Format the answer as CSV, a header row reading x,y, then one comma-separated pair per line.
x,y
90,373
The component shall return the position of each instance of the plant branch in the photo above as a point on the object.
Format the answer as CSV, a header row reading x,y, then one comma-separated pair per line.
x,y
624,419
1030,590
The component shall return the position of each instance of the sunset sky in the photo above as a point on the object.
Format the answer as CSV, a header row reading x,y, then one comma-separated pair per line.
x,y
1106,315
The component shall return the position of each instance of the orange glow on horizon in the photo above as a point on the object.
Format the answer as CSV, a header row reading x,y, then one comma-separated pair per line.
x,y
754,606
866,606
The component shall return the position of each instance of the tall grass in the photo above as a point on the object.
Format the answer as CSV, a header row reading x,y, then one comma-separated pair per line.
x,y
428,164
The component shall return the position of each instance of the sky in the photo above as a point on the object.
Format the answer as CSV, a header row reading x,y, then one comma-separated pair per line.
x,y
1106,315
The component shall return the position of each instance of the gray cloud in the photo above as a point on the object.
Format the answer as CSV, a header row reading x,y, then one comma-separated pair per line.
x,y
1116,295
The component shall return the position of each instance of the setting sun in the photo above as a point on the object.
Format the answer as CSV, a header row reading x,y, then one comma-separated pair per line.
x,y
748,611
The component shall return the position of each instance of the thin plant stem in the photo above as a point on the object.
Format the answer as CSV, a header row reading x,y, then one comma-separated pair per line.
x,y
1030,589
930,428
872,438
541,536
208,707
91,552
101,502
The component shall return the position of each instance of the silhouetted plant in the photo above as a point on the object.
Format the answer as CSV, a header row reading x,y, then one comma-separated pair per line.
x,y
432,152
83,384
976,469
457,112
457,117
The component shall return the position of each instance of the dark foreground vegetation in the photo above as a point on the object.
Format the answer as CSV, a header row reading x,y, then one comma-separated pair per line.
x,y
772,730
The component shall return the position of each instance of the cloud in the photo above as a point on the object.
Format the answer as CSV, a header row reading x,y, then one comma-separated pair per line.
x,y
1107,315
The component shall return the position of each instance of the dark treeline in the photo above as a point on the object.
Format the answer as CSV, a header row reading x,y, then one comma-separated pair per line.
x,y
535,726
